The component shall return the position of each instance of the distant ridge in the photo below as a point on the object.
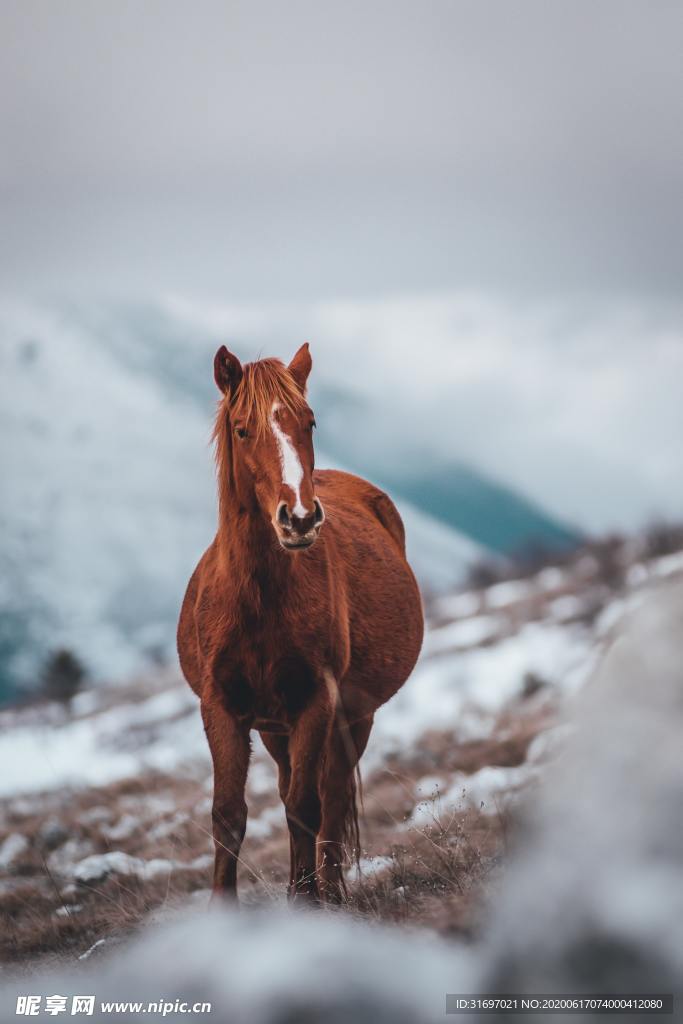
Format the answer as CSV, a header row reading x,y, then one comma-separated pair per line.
x,y
486,511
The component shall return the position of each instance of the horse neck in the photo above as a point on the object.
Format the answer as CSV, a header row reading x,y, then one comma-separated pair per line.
x,y
247,547
249,551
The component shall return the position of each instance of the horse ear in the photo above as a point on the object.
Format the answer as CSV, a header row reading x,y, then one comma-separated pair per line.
x,y
300,366
227,370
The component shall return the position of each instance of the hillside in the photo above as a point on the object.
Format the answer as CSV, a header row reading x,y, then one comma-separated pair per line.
x,y
105,814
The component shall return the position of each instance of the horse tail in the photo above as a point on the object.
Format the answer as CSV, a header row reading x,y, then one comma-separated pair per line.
x,y
351,833
351,826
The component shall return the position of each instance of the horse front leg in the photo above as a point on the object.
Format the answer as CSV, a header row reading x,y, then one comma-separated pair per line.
x,y
307,743
230,749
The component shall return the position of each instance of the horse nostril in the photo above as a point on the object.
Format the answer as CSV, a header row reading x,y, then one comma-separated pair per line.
x,y
319,512
283,516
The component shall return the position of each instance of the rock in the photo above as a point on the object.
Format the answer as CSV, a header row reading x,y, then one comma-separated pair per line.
x,y
53,833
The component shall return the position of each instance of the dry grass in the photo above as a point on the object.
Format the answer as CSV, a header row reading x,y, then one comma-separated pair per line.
x,y
439,875
45,911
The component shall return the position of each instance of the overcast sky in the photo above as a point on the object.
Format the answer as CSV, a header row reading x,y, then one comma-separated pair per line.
x,y
318,149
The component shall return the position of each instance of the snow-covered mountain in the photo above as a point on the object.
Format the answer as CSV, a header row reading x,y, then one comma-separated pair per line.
x,y
108,500
109,495
105,417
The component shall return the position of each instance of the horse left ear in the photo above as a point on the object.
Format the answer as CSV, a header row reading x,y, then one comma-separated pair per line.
x,y
227,371
300,366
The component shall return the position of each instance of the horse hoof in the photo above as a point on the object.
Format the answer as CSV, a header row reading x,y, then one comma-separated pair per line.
x,y
304,897
220,898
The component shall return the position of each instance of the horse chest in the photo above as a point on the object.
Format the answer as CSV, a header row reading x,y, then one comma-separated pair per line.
x,y
267,665
257,687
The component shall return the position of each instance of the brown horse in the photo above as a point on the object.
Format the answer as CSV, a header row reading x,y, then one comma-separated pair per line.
x,y
300,620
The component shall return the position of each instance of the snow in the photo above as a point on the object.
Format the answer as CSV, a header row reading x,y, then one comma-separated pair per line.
x,y
467,690
86,702
116,862
636,575
429,785
458,606
12,847
599,863
262,774
510,592
668,565
369,867
548,744
123,828
282,965
266,822
88,752
67,911
100,865
438,554
466,633
96,542
425,813
490,788
615,611
551,578
567,607
171,825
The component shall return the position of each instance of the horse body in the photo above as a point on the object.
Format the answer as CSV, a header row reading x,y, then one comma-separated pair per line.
x,y
302,645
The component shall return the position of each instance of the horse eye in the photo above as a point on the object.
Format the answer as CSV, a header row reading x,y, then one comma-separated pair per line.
x,y
313,425
241,432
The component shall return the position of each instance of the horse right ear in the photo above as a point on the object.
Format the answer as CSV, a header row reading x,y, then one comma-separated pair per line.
x,y
227,371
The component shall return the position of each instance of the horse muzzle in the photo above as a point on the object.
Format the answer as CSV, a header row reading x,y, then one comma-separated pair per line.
x,y
296,532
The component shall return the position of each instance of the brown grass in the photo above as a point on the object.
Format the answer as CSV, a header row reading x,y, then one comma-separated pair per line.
x,y
439,876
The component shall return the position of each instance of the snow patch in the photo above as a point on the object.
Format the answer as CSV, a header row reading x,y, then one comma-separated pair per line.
x,y
459,635
13,847
116,862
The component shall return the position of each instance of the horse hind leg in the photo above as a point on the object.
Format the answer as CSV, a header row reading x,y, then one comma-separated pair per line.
x,y
278,748
307,744
338,842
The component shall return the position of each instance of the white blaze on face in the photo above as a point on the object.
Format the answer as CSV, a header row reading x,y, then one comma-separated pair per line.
x,y
292,470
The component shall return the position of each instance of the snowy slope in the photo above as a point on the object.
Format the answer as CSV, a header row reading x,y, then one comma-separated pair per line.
x,y
109,494
108,498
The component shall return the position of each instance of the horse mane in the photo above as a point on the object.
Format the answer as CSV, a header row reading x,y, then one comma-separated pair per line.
x,y
263,382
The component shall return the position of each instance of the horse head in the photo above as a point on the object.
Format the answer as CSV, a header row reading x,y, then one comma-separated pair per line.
x,y
264,432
